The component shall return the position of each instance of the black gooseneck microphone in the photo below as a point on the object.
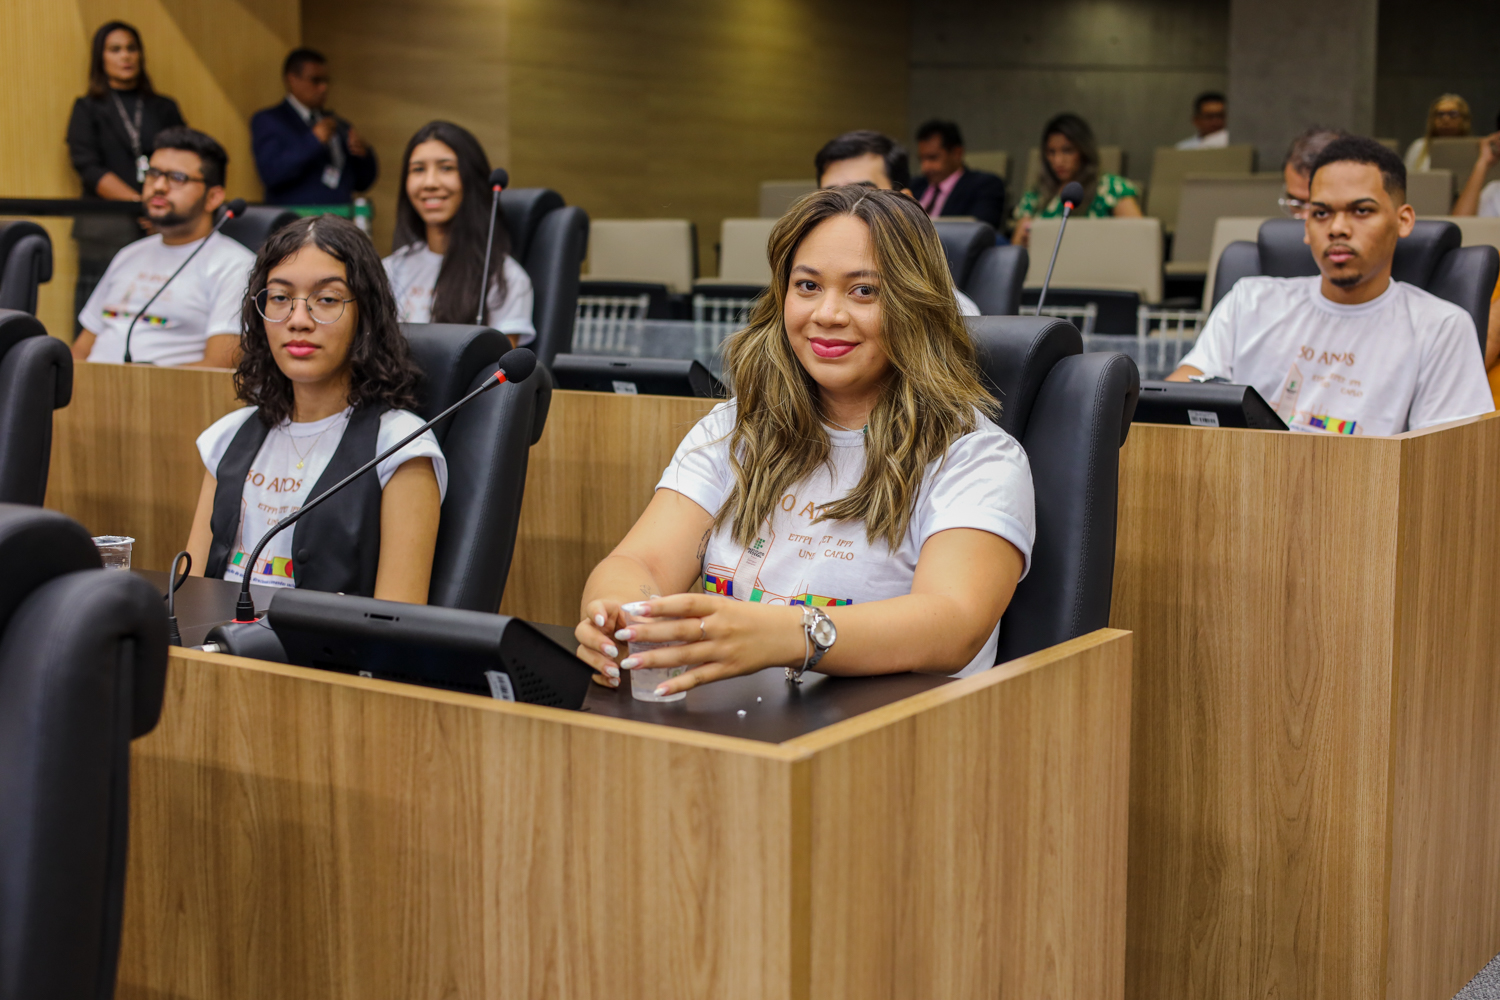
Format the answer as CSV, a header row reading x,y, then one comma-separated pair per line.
x,y
516,366
499,181
233,210
1072,194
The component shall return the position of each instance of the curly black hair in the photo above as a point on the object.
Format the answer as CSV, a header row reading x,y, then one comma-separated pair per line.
x,y
382,372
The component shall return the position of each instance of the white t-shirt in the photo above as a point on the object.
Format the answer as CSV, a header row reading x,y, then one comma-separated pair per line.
x,y
1402,361
203,301
966,305
1417,158
984,482
1214,140
413,271
1489,199
276,487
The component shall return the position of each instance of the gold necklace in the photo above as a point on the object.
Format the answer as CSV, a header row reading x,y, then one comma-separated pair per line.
x,y
852,429
302,455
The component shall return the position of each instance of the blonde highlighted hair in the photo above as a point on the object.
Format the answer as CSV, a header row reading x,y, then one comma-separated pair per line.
x,y
1432,109
932,396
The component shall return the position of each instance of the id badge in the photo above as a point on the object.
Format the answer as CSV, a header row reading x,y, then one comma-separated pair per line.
x,y
141,163
330,177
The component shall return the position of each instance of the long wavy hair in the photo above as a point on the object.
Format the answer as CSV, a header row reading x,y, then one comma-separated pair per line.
x,y
98,79
932,396
382,372
1466,116
456,295
1076,131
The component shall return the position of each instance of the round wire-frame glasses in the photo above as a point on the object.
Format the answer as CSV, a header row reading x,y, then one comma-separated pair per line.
x,y
277,307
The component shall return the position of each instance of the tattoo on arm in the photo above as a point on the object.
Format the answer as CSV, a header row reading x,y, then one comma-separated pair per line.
x,y
645,590
703,546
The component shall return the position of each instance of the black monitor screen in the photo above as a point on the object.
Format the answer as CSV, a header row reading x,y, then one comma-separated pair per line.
x,y
1205,404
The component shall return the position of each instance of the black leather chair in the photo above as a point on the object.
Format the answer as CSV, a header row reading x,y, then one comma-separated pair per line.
x,y
1432,258
83,658
25,262
36,377
1071,412
257,224
996,279
487,445
963,242
549,239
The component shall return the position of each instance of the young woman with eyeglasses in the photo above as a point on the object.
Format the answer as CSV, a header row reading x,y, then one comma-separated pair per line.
x,y
330,380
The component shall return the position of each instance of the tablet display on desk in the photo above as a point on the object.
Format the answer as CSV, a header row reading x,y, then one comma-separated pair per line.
x,y
636,376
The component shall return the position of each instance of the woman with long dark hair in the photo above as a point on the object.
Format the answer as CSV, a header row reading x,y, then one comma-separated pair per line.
x,y
110,136
442,221
330,383
1069,153
854,507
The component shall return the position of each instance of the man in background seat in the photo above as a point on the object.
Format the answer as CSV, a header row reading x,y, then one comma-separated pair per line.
x,y
947,186
1349,351
1210,119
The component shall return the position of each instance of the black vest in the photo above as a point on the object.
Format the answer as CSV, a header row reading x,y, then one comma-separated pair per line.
x,y
336,547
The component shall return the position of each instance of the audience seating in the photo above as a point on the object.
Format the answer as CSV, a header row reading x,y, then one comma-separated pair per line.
x,y
1071,412
36,377
487,445
963,242
1431,258
1457,155
25,262
1111,161
1110,254
744,271
996,279
1207,198
1430,192
257,224
549,239
656,257
83,660
777,196
1477,230
1227,230
1169,166
995,161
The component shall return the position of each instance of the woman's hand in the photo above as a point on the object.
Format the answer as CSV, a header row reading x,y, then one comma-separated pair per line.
x,y
1022,235
721,637
595,647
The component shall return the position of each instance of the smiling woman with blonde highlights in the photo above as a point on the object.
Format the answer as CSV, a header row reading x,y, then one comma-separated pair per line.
x,y
854,502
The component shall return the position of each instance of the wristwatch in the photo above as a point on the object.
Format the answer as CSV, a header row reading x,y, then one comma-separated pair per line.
x,y
819,635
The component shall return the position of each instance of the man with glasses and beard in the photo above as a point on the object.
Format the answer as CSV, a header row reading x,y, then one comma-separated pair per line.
x,y
195,323
1349,351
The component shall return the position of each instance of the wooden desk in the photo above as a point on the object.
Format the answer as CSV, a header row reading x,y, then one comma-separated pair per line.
x,y
1316,748
297,833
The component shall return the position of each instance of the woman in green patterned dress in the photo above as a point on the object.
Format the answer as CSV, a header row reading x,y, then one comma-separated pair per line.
x,y
1069,154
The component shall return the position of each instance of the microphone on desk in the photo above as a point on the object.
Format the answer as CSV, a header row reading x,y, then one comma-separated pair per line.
x,y
499,180
233,210
1072,195
516,366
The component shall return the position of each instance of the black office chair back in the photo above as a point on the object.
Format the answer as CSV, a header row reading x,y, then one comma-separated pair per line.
x,y
996,280
83,656
36,377
257,224
1071,412
25,262
1432,258
550,240
487,445
963,242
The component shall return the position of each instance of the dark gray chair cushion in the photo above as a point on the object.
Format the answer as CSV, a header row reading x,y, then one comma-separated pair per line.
x,y
25,262
257,224
550,240
963,242
996,280
1015,355
36,377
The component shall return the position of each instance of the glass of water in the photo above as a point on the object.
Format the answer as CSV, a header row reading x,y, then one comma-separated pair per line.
x,y
114,550
644,680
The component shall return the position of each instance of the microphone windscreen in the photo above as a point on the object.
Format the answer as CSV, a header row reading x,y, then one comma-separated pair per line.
x,y
499,178
1072,194
518,364
235,208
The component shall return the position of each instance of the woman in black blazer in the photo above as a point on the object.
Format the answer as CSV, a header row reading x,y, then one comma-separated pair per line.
x,y
109,139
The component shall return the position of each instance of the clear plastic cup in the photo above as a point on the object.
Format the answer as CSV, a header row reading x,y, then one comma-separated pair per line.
x,y
644,680
114,550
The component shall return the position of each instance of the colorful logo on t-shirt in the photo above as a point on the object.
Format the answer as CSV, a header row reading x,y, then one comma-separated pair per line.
x,y
146,319
716,584
275,566
1333,425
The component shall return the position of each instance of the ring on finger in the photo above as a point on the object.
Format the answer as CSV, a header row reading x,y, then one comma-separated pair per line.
x,y
702,631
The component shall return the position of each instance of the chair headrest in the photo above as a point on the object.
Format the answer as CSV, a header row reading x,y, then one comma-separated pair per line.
x,y
1015,355
450,356
12,233
37,545
963,242
252,229
16,326
1284,255
524,209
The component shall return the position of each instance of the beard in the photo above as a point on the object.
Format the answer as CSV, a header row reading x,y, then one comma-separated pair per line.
x,y
173,218
1346,280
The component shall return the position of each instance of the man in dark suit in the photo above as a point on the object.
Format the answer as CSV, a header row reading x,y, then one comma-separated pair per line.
x,y
306,155
946,186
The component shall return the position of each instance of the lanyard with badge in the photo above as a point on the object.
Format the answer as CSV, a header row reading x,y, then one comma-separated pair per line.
x,y
133,130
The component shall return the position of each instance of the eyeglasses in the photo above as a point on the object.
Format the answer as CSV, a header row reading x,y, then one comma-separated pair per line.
x,y
1447,113
1294,207
277,307
175,178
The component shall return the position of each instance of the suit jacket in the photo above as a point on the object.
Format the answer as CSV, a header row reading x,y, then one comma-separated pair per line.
x,y
291,160
977,193
98,143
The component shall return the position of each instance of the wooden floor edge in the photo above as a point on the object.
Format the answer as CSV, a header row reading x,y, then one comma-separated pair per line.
x,y
925,700
581,720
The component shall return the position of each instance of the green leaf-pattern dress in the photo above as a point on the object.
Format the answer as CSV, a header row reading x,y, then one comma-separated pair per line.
x,y
1107,195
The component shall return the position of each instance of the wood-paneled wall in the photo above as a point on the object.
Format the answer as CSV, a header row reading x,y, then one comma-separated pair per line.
x,y
219,59
630,108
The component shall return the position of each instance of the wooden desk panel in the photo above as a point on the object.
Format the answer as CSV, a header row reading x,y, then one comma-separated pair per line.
x,y
297,833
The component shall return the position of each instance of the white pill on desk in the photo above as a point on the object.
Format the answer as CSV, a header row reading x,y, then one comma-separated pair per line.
x,y
740,713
